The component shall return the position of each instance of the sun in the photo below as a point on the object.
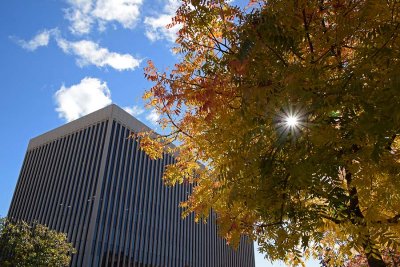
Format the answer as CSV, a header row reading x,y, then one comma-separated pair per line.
x,y
290,122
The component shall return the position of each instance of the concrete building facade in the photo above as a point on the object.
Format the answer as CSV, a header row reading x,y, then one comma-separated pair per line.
x,y
89,180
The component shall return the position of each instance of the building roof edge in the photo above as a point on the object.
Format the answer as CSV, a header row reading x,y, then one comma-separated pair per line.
x,y
109,112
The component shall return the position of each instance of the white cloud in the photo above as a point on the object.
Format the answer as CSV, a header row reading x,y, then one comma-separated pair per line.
x,y
86,51
153,117
126,12
83,98
89,52
134,110
79,16
41,39
83,14
156,26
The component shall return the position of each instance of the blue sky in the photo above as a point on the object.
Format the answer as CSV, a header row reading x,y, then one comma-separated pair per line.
x,y
63,59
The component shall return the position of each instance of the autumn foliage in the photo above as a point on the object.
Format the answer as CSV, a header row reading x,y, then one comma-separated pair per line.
x,y
287,120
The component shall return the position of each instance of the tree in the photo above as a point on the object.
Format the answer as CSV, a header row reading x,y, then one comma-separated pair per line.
x,y
32,245
293,108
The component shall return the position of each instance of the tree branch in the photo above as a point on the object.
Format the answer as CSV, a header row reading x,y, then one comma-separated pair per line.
x,y
306,29
337,221
394,220
264,225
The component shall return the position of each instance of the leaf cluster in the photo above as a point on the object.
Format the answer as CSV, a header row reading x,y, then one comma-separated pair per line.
x,y
33,245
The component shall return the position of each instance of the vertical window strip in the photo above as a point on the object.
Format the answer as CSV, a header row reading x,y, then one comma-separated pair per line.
x,y
85,198
123,202
37,180
175,223
133,194
72,179
142,207
124,253
154,213
80,186
102,208
49,182
108,201
94,173
75,188
165,239
152,245
117,217
185,244
46,182
56,205
55,180
114,212
32,184
148,212
43,200
19,185
138,208
24,191
66,181
65,178
170,202
80,199
17,198
160,201
131,246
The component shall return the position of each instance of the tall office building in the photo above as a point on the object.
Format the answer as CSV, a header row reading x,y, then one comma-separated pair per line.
x,y
89,180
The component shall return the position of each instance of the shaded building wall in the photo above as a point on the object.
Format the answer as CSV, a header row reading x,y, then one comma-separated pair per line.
x,y
89,180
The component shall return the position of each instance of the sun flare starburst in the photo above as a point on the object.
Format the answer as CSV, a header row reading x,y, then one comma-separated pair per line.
x,y
290,122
